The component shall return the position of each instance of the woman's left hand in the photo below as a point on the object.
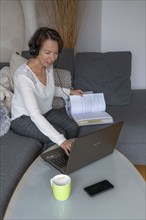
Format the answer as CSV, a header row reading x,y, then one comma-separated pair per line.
x,y
76,92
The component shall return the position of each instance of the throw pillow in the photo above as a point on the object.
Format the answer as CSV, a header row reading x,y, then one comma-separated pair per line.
x,y
6,79
6,97
62,79
7,72
105,72
16,61
4,120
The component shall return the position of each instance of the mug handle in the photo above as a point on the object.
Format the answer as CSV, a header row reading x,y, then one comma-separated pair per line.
x,y
51,182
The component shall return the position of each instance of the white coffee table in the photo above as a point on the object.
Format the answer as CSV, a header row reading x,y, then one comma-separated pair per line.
x,y
33,197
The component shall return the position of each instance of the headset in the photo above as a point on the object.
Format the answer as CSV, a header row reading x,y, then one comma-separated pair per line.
x,y
34,49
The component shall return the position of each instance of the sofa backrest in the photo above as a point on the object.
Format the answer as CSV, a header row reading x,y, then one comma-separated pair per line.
x,y
108,73
100,72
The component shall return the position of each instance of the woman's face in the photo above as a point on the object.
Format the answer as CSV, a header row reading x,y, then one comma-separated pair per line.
x,y
48,53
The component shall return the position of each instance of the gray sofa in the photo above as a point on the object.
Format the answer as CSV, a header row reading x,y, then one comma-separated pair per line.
x,y
108,73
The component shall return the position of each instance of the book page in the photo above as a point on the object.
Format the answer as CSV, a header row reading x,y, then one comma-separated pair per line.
x,y
87,103
91,116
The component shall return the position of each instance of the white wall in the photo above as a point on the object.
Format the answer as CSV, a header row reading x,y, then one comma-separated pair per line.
x,y
123,28
11,28
30,19
89,38
108,25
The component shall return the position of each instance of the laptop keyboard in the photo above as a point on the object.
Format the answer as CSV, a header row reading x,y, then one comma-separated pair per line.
x,y
60,161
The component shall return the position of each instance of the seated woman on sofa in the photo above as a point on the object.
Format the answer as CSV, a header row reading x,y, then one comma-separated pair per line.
x,y
34,89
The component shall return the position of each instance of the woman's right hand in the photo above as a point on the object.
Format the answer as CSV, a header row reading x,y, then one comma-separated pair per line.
x,y
66,145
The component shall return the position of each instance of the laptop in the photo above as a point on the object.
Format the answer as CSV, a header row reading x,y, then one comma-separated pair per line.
x,y
85,150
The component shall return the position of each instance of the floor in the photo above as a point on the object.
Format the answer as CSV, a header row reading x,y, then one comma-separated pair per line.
x,y
142,170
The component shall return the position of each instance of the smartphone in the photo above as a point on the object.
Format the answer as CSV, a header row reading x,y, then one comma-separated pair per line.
x,y
98,188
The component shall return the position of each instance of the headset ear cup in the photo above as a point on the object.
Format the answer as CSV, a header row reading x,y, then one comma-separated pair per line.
x,y
34,51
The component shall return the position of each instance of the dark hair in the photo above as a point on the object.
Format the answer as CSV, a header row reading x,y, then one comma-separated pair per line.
x,y
40,35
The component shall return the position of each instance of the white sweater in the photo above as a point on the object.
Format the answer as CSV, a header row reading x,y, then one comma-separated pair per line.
x,y
34,99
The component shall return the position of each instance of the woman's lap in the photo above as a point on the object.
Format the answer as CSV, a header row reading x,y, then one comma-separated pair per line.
x,y
57,117
60,118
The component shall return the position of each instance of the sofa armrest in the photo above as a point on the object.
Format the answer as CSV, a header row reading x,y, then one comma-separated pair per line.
x,y
3,64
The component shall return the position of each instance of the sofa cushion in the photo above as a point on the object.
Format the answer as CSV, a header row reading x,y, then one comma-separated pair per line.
x,y
105,72
17,153
132,139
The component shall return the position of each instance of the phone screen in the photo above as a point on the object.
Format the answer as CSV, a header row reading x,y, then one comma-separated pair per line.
x,y
98,188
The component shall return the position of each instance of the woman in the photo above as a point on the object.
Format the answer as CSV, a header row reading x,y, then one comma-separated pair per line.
x,y
34,89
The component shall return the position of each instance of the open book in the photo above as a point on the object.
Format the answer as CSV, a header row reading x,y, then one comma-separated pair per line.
x,y
89,109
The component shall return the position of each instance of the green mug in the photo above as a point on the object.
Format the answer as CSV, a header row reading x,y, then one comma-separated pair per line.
x,y
61,186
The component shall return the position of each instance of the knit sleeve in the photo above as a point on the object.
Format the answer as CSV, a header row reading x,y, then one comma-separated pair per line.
x,y
27,90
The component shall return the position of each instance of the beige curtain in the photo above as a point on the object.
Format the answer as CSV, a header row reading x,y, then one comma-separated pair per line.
x,y
61,15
